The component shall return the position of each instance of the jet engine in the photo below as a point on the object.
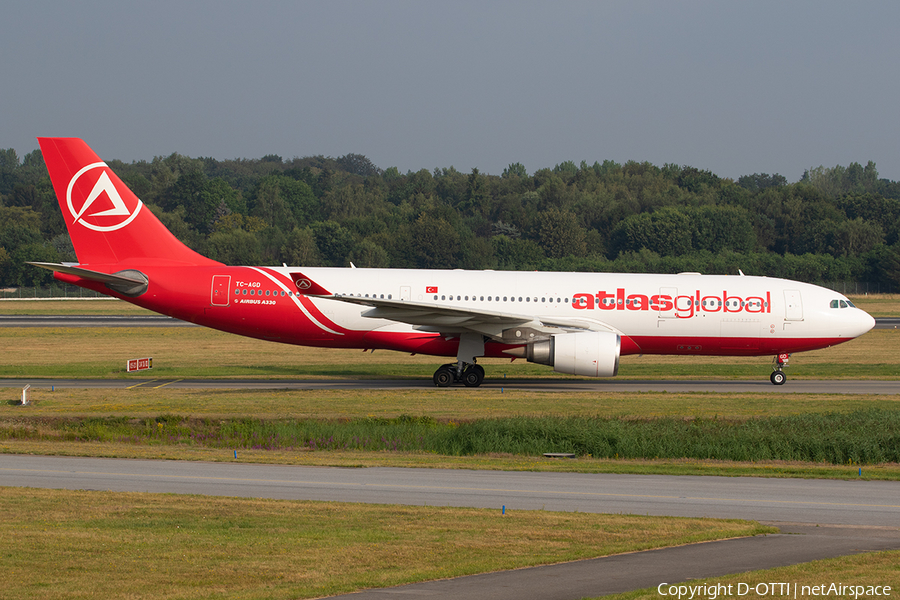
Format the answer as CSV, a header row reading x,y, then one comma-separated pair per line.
x,y
588,353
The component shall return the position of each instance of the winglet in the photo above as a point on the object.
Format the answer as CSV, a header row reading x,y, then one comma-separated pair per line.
x,y
307,286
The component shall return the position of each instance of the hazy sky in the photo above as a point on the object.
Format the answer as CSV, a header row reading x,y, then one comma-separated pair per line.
x,y
733,87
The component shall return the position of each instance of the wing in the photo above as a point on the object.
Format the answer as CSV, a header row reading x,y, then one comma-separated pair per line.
x,y
510,328
501,326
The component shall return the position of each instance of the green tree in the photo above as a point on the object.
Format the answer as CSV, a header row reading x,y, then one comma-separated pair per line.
x,y
436,243
370,255
667,232
561,235
300,248
515,170
271,205
9,164
235,247
334,242
515,253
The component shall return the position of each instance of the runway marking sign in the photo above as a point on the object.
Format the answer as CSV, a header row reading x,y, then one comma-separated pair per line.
x,y
139,364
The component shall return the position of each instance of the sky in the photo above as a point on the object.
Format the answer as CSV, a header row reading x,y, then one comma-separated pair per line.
x,y
731,87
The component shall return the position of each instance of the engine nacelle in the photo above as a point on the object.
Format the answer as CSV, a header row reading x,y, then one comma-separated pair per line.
x,y
588,353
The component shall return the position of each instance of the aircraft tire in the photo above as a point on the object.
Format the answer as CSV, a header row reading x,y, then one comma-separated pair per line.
x,y
473,376
443,377
778,377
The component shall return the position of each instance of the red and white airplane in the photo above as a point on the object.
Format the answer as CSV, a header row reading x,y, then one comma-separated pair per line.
x,y
577,323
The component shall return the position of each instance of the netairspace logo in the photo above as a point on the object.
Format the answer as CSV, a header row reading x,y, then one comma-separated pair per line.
x,y
775,590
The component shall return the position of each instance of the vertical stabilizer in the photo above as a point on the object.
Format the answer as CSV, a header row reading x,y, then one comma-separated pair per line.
x,y
108,224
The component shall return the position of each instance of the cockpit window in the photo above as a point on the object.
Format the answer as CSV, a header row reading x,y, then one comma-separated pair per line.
x,y
842,304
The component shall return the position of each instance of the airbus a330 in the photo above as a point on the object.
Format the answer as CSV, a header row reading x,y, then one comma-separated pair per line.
x,y
576,323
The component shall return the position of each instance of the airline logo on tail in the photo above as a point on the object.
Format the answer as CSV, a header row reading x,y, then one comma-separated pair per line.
x,y
101,217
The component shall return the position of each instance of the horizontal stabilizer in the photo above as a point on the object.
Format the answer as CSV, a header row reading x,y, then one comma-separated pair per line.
x,y
130,282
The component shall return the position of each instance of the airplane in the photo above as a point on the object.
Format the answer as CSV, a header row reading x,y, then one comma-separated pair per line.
x,y
576,323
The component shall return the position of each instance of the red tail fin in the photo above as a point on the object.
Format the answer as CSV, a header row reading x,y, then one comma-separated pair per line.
x,y
108,224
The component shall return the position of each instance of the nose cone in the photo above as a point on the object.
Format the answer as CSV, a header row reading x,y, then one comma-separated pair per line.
x,y
859,322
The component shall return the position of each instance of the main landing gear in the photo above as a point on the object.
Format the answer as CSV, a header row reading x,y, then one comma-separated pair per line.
x,y
778,377
469,374
464,369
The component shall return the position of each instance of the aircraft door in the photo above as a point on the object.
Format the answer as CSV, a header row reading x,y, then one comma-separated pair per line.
x,y
405,292
221,287
793,307
667,298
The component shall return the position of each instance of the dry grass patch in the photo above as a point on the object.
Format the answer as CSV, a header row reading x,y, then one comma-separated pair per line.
x,y
64,544
879,305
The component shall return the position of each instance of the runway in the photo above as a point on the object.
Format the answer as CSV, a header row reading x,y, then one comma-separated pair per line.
x,y
798,386
836,517
818,501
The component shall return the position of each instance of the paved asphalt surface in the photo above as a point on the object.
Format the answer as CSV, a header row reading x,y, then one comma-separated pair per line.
x,y
818,518
818,501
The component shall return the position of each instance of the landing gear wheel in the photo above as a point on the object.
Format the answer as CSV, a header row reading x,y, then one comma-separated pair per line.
x,y
443,377
778,377
473,376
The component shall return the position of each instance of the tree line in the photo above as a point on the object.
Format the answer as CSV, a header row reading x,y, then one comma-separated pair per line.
x,y
834,224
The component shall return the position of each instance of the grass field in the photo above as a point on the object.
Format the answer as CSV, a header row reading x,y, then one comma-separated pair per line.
x,y
79,544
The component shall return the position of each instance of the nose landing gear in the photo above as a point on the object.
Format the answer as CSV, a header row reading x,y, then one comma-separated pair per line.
x,y
778,377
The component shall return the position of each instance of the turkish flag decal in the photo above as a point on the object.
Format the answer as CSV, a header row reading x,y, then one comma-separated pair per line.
x,y
431,289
